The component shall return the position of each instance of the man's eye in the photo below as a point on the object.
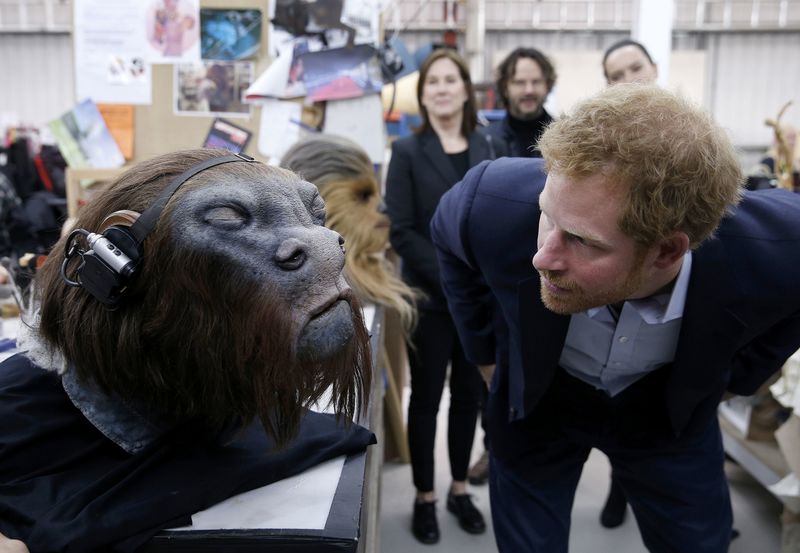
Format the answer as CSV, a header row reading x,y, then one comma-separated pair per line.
x,y
577,239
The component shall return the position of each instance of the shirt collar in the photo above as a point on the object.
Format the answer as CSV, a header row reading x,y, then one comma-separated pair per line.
x,y
660,308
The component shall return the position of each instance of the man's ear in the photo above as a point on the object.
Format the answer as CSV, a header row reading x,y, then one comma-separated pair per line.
x,y
671,250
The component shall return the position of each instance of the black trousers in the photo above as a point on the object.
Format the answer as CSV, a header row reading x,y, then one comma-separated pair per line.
x,y
436,343
676,486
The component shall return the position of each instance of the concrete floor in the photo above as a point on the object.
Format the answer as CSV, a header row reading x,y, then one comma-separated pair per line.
x,y
756,511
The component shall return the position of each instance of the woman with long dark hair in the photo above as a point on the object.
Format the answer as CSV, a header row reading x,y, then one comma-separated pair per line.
x,y
422,168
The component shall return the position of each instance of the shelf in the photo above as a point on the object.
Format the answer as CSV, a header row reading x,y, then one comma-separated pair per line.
x,y
763,460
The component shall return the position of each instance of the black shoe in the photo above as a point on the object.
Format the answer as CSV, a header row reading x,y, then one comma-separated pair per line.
x,y
613,513
469,518
424,525
479,472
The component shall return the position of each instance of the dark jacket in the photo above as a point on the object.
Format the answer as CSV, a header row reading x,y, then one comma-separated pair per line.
x,y
503,133
419,173
741,319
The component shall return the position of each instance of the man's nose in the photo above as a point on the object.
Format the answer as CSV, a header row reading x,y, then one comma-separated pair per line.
x,y
550,255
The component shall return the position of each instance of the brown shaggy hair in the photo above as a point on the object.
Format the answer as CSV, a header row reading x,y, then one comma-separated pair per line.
x,y
470,119
679,169
195,337
343,173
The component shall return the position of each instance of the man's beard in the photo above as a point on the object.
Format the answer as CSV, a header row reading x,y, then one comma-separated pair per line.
x,y
518,113
576,299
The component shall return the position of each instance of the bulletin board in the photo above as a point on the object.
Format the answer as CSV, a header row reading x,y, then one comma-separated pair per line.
x,y
159,130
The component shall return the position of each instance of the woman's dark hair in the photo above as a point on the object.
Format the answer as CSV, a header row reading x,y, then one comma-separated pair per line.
x,y
506,69
470,119
621,44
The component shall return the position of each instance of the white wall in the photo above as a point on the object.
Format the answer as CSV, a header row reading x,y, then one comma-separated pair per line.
x,y
36,78
748,75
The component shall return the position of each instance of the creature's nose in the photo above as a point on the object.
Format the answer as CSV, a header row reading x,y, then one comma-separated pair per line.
x,y
324,248
291,255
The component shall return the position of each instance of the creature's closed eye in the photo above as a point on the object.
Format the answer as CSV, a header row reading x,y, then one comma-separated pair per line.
x,y
317,209
227,217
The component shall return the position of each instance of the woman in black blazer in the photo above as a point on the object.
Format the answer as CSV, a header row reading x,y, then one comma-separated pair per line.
x,y
422,168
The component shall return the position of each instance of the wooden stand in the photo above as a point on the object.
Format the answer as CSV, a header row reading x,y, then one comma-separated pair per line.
x,y
395,362
77,194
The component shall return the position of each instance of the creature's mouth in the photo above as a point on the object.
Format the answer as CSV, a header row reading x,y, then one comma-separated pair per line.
x,y
329,329
331,304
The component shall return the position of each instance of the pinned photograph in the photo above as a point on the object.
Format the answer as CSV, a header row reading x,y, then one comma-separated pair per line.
x,y
84,139
124,70
229,34
341,73
225,135
173,29
212,87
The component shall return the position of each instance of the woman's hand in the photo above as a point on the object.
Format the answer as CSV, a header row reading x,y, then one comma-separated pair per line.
x,y
11,546
487,371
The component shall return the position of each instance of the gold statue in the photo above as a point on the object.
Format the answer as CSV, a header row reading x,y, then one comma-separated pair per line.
x,y
783,151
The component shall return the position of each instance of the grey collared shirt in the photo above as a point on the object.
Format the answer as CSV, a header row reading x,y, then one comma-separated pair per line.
x,y
612,354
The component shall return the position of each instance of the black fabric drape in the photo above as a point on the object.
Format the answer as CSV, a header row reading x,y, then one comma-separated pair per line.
x,y
65,487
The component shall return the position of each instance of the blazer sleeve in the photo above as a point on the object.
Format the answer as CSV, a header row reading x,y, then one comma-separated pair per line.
x,y
415,248
762,357
468,296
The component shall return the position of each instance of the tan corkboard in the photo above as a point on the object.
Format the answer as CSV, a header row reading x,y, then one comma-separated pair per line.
x,y
158,130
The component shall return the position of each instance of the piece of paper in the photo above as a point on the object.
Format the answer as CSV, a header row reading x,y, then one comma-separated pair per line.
x,y
360,120
119,120
341,73
302,501
280,127
172,28
212,87
363,16
109,46
229,34
272,82
225,135
84,139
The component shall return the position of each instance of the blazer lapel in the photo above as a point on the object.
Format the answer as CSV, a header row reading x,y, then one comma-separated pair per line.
x,y
433,151
542,334
478,148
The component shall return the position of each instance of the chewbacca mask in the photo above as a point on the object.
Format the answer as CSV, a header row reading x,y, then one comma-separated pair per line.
x,y
344,175
238,308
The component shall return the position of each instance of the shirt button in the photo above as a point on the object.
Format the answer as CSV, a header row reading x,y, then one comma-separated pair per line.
x,y
623,339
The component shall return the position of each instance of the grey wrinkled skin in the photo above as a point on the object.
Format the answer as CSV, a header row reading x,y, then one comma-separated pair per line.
x,y
274,229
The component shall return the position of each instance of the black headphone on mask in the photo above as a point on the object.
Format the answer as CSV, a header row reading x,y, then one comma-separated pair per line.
x,y
110,261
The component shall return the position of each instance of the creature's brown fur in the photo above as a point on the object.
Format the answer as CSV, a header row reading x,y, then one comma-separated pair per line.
x,y
195,338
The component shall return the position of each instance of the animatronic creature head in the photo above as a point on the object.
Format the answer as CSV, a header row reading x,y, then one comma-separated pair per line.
x,y
238,307
345,177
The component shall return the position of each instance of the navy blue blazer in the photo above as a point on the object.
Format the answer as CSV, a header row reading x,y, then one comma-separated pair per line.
x,y
741,319
419,173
